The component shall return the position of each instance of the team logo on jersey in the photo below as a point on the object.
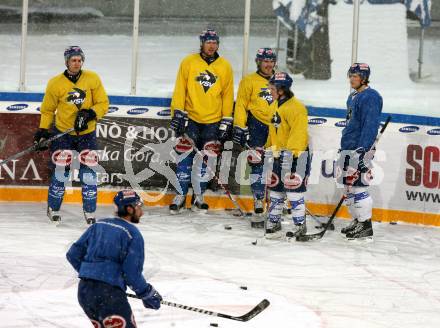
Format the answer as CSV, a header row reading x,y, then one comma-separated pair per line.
x,y
76,97
266,95
206,80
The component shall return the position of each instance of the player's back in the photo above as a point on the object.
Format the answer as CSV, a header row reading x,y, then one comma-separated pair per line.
x,y
108,245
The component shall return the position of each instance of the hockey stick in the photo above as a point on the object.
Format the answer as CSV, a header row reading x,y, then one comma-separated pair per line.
x,y
227,192
319,235
245,317
35,146
320,225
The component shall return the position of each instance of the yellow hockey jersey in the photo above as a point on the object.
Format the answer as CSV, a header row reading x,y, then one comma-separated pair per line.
x,y
292,133
253,96
57,106
205,92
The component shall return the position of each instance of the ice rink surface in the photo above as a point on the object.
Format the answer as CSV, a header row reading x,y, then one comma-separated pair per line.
x,y
192,259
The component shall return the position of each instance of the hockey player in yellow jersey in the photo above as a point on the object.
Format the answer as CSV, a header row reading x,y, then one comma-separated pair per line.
x,y
288,144
251,120
201,108
75,99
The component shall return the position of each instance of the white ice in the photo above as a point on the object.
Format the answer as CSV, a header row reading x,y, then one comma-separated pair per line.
x,y
191,259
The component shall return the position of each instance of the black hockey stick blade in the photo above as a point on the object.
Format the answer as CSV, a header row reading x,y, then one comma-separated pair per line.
x,y
248,316
319,235
245,317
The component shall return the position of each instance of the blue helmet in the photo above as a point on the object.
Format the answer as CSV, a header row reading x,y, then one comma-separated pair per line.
x,y
266,54
126,198
360,68
209,35
281,80
73,51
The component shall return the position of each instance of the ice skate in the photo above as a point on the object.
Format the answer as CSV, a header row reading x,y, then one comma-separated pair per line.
x,y
53,216
273,230
361,231
178,204
89,217
258,206
298,230
350,227
198,204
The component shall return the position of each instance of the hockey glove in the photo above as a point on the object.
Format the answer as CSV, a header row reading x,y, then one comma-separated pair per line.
x,y
225,129
151,298
179,122
83,117
40,136
240,136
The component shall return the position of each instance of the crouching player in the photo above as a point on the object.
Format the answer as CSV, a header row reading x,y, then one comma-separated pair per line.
x,y
288,140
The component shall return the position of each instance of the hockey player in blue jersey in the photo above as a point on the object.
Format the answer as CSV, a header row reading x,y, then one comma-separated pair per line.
x,y
364,107
108,257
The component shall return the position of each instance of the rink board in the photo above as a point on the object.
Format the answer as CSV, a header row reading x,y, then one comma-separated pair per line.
x,y
405,187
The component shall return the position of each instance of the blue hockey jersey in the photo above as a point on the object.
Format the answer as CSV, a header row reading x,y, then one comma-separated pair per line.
x,y
112,251
363,119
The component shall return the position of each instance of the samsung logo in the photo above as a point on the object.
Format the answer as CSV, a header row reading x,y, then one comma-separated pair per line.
x,y
434,132
113,109
409,129
341,124
137,111
316,121
164,112
16,107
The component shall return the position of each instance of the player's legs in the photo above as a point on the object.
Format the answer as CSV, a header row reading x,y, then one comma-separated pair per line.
x,y
86,146
361,209
258,133
184,166
204,167
61,151
105,305
276,201
295,185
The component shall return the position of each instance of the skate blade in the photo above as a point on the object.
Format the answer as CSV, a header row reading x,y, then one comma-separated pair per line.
x,y
174,212
55,222
368,239
274,235
198,210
